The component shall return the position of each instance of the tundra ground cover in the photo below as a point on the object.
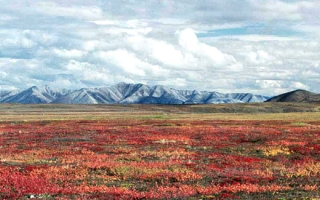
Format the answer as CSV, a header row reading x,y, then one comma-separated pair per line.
x,y
158,156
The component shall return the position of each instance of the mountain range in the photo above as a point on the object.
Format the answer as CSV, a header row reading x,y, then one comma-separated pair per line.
x,y
123,93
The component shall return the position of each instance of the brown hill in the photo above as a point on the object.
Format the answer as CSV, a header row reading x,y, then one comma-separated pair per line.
x,y
297,96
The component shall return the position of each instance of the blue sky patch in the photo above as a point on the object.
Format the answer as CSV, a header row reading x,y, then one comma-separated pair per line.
x,y
251,30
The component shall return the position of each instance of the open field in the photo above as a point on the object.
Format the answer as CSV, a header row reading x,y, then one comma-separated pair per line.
x,y
239,151
252,111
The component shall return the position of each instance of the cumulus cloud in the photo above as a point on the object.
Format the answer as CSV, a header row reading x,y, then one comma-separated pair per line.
x,y
209,55
189,40
124,60
265,47
166,54
260,57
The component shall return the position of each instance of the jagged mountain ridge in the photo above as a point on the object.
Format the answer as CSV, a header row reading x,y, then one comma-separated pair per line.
x,y
33,95
124,93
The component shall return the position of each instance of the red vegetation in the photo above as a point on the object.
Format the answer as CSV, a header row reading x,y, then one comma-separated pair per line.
x,y
157,159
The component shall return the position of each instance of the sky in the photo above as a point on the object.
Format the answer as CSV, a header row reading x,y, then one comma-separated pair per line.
x,y
263,47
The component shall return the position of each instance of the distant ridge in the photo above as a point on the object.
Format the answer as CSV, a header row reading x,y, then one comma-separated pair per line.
x,y
124,93
302,96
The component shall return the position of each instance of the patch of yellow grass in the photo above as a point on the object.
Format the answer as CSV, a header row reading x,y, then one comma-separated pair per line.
x,y
273,151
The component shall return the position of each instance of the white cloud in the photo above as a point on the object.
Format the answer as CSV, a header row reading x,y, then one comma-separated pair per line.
x,y
300,85
209,55
106,22
166,54
190,54
15,39
62,83
260,57
124,60
276,10
69,54
74,66
90,45
54,9
189,40
96,43
281,86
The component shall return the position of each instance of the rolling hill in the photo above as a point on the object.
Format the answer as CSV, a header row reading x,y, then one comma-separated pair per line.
x,y
302,96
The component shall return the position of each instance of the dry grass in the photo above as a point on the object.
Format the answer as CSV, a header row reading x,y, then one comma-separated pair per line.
x,y
255,111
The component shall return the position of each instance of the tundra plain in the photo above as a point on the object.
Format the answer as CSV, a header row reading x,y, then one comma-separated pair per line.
x,y
225,151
